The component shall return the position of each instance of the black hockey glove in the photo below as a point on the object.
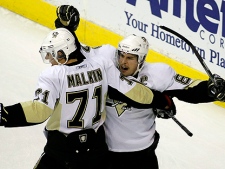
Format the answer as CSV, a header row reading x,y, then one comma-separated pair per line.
x,y
3,114
68,17
217,90
164,114
168,112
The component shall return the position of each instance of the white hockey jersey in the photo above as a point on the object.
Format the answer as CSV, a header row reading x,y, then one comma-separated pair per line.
x,y
130,129
73,96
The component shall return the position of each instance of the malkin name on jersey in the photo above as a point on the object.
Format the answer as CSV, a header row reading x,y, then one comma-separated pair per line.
x,y
80,79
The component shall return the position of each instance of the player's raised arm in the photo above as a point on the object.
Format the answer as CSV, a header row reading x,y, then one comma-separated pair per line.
x,y
199,91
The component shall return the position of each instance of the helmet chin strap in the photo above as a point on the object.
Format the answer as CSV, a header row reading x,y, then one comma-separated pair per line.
x,y
59,62
139,67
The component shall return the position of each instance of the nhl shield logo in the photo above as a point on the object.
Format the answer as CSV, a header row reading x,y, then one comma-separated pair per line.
x,y
83,138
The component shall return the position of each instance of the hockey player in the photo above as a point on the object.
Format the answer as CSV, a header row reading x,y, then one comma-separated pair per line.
x,y
72,93
130,132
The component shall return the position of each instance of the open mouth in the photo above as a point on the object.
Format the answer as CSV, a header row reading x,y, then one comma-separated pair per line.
x,y
123,68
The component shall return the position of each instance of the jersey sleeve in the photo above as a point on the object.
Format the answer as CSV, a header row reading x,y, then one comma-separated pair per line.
x,y
38,110
166,80
195,92
189,90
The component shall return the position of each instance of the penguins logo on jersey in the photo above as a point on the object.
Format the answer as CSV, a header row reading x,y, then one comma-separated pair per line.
x,y
54,34
83,138
119,106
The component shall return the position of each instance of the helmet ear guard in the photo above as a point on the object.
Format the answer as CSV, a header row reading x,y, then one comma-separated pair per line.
x,y
135,45
59,43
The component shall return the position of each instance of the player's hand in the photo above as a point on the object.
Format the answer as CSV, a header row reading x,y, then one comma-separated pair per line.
x,y
217,89
168,112
68,17
64,12
3,114
164,114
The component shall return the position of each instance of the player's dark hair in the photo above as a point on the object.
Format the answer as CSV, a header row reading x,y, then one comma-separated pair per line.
x,y
75,54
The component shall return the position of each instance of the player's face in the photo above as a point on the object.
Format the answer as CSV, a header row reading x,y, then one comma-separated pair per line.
x,y
127,63
51,59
